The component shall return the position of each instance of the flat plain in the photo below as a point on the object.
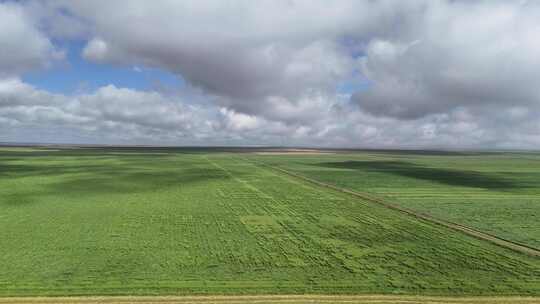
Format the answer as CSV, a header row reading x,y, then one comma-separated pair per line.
x,y
151,221
498,193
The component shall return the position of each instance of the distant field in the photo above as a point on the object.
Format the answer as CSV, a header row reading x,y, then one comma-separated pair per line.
x,y
187,221
498,193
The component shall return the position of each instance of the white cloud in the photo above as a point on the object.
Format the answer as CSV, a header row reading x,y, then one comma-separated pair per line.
x,y
23,46
443,74
107,111
96,50
464,54
234,51
119,115
239,121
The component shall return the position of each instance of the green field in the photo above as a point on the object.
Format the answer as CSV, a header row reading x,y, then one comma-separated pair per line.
x,y
187,221
498,193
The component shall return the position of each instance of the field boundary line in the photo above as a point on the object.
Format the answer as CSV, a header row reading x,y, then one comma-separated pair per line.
x,y
522,248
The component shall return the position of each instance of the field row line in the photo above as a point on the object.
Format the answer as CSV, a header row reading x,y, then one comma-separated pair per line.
x,y
246,184
454,226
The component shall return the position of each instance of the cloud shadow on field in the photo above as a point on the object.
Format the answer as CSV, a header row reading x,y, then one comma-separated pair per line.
x,y
89,180
449,177
133,181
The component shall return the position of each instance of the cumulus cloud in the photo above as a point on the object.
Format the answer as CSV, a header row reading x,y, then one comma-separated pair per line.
x,y
23,46
127,116
119,114
109,110
464,54
243,52
96,49
421,57
440,74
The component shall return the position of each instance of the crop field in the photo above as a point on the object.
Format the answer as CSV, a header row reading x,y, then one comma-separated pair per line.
x,y
145,221
274,299
498,193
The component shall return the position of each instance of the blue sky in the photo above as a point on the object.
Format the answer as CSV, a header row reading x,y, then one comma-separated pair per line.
x,y
75,75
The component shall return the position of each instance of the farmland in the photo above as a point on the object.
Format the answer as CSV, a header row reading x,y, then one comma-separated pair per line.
x,y
498,193
194,222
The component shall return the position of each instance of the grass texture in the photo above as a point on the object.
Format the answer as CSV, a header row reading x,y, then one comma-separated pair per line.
x,y
498,193
188,222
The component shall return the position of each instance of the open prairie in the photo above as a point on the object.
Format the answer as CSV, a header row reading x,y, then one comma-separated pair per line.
x,y
498,193
149,221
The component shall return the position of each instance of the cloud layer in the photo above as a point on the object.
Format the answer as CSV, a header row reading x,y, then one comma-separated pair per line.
x,y
23,46
419,74
464,54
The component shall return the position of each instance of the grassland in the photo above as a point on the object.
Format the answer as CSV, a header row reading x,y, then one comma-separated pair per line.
x,y
498,193
187,222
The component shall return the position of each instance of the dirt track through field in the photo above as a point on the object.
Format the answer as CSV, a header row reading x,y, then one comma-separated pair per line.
x,y
281,299
458,227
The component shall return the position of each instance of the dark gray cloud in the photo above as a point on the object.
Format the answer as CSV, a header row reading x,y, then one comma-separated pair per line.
x,y
243,52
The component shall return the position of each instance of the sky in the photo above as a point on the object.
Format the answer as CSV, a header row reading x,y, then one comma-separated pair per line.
x,y
348,73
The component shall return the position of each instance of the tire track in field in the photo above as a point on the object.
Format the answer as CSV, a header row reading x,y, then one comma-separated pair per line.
x,y
272,299
522,248
241,181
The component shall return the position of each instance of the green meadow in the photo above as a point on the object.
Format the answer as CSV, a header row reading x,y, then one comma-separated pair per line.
x,y
498,193
146,221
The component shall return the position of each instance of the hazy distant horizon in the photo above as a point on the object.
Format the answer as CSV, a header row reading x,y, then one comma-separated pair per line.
x,y
263,147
